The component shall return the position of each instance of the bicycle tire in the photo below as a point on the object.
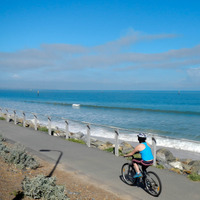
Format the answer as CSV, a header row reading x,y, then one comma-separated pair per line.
x,y
153,184
128,172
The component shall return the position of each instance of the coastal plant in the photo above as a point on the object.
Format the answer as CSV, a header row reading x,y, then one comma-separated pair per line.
x,y
3,147
160,166
76,140
112,150
194,177
43,129
2,118
43,187
18,156
21,158
2,138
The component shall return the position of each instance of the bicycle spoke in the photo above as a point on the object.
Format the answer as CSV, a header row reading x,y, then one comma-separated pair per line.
x,y
128,173
153,184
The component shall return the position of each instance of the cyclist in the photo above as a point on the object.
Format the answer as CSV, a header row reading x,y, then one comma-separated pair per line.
x,y
144,149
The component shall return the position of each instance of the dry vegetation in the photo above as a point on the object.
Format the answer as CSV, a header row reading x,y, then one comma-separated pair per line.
x,y
77,187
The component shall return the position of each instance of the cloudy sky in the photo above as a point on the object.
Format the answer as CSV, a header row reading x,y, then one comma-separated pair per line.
x,y
98,45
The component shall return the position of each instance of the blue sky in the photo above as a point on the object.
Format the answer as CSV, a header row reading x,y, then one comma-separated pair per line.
x,y
98,45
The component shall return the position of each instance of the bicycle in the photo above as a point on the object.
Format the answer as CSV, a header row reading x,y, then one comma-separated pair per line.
x,y
151,181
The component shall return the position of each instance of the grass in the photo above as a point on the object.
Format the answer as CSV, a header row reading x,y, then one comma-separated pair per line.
x,y
160,166
2,118
76,140
112,149
137,155
44,129
194,177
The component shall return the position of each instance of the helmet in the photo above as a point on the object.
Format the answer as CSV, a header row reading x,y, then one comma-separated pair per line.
x,y
142,135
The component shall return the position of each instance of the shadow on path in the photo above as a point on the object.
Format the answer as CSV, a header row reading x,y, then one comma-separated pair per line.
x,y
138,183
58,160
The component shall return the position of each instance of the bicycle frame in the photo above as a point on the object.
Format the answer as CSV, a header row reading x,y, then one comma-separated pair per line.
x,y
150,180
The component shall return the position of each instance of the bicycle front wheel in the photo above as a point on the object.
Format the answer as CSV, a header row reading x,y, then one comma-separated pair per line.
x,y
128,172
153,184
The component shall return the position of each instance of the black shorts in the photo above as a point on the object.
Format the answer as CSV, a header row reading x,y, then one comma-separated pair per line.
x,y
142,162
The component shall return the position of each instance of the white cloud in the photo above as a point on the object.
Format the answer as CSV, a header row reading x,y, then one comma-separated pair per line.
x,y
65,57
15,76
194,73
130,39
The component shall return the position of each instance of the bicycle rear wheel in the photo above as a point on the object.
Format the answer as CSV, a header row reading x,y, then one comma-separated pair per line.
x,y
153,184
128,172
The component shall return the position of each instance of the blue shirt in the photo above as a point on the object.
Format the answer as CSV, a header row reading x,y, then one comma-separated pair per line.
x,y
146,153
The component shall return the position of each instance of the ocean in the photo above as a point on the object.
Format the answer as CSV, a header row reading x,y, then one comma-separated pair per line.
x,y
172,117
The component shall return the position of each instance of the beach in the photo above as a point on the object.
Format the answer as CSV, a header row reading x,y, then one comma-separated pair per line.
x,y
170,117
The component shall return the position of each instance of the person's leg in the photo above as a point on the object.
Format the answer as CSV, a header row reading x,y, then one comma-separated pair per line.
x,y
136,167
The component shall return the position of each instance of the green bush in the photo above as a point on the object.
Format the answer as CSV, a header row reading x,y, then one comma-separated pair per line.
x,y
111,149
43,128
2,118
17,155
3,147
1,139
76,140
21,158
160,166
194,177
43,187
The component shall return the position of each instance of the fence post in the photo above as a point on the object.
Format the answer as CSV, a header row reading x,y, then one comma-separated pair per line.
x,y
49,125
15,118
35,120
67,129
88,135
154,150
7,117
116,142
24,119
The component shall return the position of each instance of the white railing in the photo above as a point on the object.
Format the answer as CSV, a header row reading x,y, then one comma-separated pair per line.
x,y
66,121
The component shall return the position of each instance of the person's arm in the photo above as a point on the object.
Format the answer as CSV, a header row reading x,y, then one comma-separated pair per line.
x,y
133,152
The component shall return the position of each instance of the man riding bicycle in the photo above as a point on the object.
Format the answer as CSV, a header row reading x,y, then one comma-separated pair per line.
x,y
144,149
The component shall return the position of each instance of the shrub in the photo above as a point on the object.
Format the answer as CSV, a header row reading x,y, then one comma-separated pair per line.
x,y
43,128
160,166
21,158
111,149
194,177
43,187
3,147
1,139
18,156
76,140
2,118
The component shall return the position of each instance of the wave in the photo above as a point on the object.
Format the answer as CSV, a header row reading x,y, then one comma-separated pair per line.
x,y
107,134
121,108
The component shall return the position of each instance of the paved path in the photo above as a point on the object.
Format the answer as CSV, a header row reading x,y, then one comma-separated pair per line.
x,y
101,167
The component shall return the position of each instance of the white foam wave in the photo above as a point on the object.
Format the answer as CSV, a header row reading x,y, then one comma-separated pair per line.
x,y
109,133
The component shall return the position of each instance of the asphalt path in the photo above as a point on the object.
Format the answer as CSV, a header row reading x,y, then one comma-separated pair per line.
x,y
101,168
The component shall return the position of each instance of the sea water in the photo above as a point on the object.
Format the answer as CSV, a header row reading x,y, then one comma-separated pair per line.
x,y
173,117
